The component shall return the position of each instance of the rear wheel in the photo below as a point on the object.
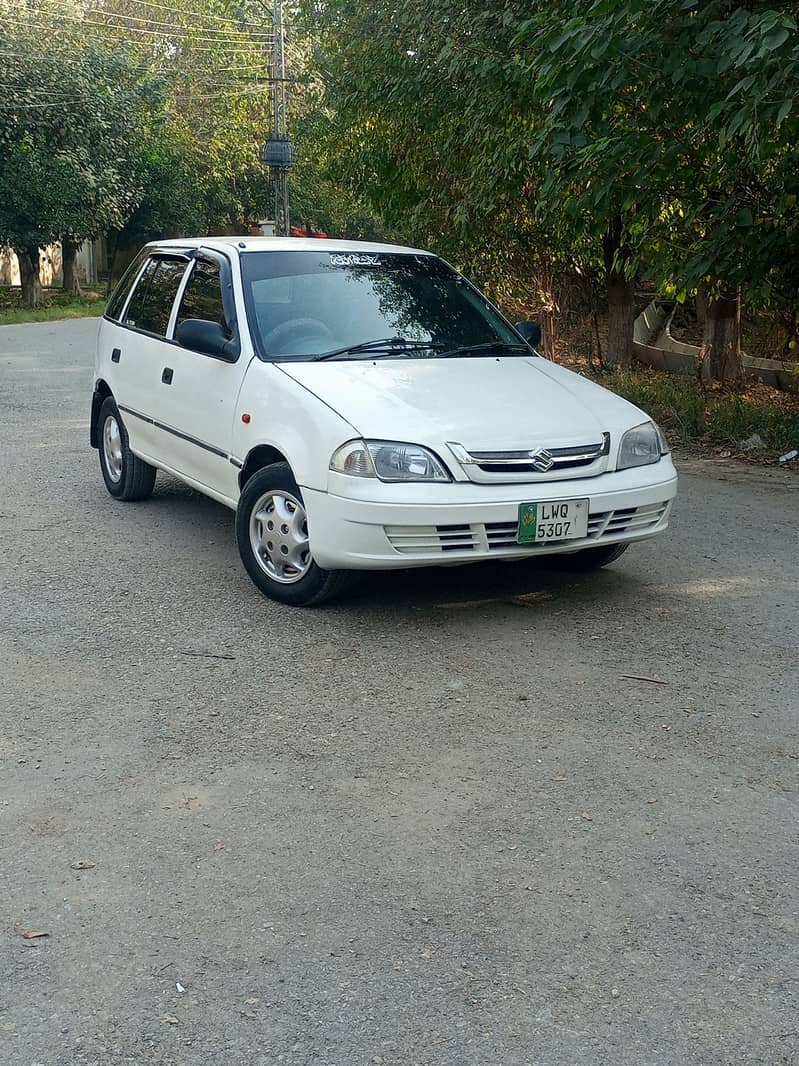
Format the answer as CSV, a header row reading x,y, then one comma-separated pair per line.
x,y
126,476
272,535
590,558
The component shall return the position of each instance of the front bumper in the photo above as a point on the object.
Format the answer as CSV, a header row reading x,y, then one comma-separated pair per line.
x,y
460,522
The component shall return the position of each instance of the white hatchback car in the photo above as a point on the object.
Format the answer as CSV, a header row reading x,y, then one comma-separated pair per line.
x,y
362,406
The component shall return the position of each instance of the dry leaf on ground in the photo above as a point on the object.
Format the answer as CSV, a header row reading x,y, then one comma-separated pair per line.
x,y
29,934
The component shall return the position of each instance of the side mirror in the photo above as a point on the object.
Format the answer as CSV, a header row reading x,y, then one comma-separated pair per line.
x,y
531,331
200,335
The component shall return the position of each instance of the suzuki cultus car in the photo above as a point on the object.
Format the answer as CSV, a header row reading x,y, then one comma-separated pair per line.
x,y
362,407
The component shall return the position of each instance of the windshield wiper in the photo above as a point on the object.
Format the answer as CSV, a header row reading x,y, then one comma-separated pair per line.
x,y
384,344
490,346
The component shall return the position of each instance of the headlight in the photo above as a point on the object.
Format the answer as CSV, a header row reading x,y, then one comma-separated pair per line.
x,y
641,446
388,461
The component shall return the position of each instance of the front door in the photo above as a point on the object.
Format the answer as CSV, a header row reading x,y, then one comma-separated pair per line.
x,y
196,396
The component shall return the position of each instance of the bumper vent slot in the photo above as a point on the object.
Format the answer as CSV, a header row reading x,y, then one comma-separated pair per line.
x,y
501,536
422,540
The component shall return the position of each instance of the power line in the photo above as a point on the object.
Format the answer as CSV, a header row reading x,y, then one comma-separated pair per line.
x,y
19,109
242,67
171,71
226,26
180,11
171,32
154,22
34,95
181,47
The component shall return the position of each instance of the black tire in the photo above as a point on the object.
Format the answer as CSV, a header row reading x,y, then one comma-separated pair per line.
x,y
590,558
132,479
315,585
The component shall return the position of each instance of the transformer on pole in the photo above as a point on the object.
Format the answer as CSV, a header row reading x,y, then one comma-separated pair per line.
x,y
278,148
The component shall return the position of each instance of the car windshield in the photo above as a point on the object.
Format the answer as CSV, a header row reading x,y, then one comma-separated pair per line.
x,y
355,305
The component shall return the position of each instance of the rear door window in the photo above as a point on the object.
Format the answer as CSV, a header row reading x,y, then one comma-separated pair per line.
x,y
151,304
120,294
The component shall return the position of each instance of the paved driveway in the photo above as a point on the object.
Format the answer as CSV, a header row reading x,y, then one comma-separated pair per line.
x,y
434,824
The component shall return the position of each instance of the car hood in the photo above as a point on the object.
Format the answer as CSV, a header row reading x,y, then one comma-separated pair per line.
x,y
482,403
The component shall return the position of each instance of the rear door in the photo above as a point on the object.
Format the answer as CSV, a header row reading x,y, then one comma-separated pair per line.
x,y
140,349
197,393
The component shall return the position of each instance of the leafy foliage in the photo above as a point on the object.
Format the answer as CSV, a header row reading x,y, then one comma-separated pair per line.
x,y
127,122
681,116
67,130
616,137
689,414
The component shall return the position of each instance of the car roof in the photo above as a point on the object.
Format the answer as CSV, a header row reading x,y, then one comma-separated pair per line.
x,y
284,244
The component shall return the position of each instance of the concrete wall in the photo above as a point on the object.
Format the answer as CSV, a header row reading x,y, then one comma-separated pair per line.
x,y
655,346
50,265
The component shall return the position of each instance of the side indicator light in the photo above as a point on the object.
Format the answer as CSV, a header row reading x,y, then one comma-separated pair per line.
x,y
245,419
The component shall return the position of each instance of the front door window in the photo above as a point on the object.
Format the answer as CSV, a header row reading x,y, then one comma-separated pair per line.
x,y
202,297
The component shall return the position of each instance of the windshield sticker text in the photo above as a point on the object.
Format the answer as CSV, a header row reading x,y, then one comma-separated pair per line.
x,y
341,259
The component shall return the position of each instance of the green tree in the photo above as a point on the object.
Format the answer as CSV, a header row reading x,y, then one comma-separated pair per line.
x,y
213,59
670,123
136,119
68,130
624,135
437,125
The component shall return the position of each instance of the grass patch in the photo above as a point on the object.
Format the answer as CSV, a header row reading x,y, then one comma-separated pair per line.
x,y
56,305
690,414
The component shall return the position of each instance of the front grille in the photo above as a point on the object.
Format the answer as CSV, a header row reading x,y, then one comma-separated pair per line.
x,y
520,462
501,536
583,460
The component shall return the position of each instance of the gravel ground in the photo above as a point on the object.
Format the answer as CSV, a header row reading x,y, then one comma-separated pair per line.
x,y
433,825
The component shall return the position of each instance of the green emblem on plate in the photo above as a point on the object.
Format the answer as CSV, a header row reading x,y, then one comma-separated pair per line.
x,y
528,514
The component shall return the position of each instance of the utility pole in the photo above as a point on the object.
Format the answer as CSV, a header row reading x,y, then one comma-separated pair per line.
x,y
277,151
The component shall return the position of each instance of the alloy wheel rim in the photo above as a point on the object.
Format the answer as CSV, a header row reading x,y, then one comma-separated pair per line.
x,y
279,536
112,448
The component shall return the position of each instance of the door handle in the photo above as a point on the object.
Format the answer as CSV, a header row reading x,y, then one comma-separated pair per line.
x,y
166,375
115,355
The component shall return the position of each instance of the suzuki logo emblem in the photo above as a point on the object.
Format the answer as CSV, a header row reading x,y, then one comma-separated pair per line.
x,y
542,460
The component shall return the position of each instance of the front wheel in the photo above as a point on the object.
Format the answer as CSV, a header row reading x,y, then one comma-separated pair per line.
x,y
126,476
590,558
272,535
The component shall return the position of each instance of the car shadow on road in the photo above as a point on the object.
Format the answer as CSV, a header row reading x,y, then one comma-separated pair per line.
x,y
523,583
473,586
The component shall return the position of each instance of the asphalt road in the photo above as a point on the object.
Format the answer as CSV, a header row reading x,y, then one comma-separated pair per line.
x,y
434,824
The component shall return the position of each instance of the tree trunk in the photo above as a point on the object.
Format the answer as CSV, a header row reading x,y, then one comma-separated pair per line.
x,y
621,295
112,263
790,349
621,317
69,267
29,276
545,287
597,340
701,303
721,347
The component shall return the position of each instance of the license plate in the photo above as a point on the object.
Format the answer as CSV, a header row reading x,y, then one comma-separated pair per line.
x,y
559,520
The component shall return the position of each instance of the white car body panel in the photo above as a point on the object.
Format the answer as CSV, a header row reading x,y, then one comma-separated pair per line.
x,y
483,403
288,418
215,414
